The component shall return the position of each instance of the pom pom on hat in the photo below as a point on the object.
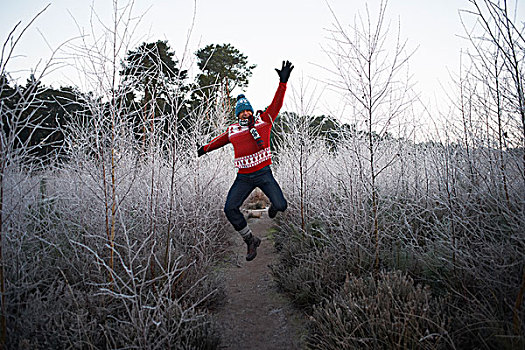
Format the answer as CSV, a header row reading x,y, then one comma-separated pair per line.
x,y
242,105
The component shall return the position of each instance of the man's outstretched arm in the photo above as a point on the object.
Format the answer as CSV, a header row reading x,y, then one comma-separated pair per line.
x,y
216,143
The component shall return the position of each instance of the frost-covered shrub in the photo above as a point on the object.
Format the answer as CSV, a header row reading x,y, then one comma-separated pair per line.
x,y
385,312
445,227
61,289
313,263
306,272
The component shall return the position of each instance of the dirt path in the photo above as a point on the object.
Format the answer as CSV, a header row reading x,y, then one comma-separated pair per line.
x,y
255,315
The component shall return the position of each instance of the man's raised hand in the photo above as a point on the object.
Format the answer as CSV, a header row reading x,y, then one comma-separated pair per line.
x,y
284,72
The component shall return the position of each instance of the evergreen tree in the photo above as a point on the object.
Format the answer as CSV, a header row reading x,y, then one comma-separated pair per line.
x,y
223,68
223,64
152,72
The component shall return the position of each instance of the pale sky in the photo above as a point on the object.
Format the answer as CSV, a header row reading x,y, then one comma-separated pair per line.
x,y
266,31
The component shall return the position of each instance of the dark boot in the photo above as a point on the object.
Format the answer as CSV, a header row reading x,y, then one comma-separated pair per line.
x,y
252,242
272,212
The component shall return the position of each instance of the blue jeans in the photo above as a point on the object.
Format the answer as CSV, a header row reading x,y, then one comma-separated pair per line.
x,y
243,185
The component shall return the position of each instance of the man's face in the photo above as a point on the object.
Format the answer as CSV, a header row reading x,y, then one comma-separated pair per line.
x,y
245,114
243,117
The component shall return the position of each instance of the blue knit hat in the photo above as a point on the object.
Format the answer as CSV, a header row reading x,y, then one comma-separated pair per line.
x,y
242,105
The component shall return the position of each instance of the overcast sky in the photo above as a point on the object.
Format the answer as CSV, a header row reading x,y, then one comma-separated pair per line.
x,y
266,31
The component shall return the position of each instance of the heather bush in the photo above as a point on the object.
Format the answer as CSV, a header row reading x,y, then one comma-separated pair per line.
x,y
307,270
388,311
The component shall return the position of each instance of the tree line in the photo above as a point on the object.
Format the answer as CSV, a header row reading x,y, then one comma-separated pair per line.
x,y
154,86
154,83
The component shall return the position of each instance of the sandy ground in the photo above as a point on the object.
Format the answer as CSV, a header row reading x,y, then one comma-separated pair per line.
x,y
255,315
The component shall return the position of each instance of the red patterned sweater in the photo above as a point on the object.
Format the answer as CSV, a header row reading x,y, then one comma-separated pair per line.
x,y
248,157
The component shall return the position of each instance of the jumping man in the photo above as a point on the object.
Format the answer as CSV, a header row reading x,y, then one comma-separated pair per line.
x,y
250,138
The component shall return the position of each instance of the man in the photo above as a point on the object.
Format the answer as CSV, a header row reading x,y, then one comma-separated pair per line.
x,y
250,138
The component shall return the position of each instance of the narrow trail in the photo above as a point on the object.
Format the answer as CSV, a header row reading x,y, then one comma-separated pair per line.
x,y
255,315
